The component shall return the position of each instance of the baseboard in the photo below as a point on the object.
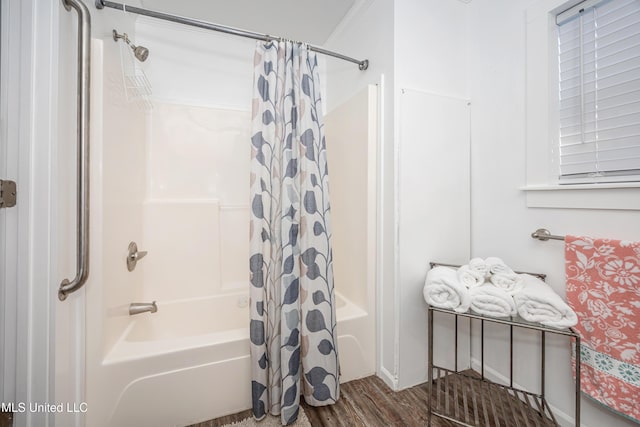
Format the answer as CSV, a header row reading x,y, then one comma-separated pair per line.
x,y
563,418
388,378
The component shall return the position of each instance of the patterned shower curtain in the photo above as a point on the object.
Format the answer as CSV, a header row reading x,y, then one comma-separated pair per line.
x,y
293,319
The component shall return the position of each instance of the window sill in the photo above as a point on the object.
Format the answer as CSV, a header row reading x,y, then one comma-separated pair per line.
x,y
610,196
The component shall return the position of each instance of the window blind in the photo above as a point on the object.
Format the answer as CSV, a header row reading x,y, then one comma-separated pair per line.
x,y
599,91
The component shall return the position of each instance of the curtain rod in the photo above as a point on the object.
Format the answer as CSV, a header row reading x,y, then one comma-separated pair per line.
x,y
100,4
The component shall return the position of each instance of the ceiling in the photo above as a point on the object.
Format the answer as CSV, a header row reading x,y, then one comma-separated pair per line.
x,y
310,21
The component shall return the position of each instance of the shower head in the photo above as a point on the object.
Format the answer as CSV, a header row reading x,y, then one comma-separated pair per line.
x,y
141,53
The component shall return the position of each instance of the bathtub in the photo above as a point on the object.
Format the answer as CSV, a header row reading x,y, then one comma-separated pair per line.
x,y
190,362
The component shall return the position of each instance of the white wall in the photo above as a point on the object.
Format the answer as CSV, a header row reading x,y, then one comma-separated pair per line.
x,y
431,46
431,57
196,203
368,34
501,221
191,66
413,45
433,205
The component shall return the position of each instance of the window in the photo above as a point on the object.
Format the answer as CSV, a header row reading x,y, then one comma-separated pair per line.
x,y
543,188
599,92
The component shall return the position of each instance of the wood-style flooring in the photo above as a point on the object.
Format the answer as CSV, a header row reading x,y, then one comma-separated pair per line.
x,y
6,419
369,402
366,402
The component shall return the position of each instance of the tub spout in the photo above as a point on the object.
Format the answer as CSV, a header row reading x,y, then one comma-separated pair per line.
x,y
142,307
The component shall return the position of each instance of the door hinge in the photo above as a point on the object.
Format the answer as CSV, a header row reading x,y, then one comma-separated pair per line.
x,y
7,194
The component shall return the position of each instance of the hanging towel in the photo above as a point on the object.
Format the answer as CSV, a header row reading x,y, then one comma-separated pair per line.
x,y
603,287
489,300
470,278
443,289
537,302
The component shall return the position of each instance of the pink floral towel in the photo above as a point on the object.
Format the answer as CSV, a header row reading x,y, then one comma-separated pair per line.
x,y
603,288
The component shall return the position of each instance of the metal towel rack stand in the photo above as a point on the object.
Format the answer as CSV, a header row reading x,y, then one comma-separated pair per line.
x,y
518,405
84,68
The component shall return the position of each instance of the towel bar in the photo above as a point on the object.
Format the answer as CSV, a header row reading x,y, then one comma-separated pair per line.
x,y
544,235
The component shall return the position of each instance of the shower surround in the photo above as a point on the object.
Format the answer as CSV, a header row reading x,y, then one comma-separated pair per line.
x,y
175,180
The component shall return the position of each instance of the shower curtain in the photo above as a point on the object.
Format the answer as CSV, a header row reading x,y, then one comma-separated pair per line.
x,y
293,320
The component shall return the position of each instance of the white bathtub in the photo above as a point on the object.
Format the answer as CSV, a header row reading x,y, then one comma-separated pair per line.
x,y
189,362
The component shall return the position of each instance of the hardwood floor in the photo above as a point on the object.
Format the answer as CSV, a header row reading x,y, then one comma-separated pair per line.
x,y
367,402
218,422
6,419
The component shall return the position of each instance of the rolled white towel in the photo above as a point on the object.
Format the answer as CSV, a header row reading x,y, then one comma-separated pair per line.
x,y
490,300
495,265
443,289
538,302
470,278
479,266
508,282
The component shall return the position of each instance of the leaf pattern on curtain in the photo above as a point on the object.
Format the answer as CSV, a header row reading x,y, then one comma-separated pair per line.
x,y
293,320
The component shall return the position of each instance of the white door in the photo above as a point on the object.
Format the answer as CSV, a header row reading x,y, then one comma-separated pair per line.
x,y
8,226
28,83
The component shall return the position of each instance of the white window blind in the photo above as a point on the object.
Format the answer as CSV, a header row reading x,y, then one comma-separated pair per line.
x,y
599,91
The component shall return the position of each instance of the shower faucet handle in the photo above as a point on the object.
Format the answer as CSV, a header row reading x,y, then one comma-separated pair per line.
x,y
134,256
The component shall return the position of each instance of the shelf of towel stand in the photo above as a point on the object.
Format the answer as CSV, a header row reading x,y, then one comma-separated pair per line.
x,y
525,407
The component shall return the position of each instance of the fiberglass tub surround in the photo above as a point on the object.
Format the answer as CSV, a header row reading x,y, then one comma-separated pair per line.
x,y
175,180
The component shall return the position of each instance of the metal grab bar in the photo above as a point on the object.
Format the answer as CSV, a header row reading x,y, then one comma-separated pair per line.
x,y
84,68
